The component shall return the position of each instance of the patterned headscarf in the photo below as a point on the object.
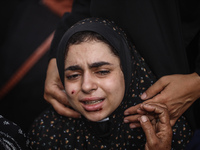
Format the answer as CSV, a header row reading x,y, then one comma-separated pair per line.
x,y
137,76
51,130
110,32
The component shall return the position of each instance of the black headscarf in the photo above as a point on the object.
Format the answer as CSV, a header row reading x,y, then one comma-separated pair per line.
x,y
73,133
136,74
105,29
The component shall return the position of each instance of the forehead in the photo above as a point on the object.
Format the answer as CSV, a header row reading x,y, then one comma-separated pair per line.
x,y
90,51
91,40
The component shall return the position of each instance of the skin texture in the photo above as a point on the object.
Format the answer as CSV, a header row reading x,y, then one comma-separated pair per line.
x,y
166,89
155,122
178,92
94,81
158,133
54,92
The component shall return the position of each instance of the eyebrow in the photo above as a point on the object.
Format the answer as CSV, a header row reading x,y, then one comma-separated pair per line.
x,y
75,67
99,64
93,65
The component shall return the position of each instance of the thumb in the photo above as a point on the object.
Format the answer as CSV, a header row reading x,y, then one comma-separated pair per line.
x,y
155,89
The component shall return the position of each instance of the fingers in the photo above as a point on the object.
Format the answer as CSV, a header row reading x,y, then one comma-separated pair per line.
x,y
161,120
54,93
59,102
155,138
154,112
59,95
135,125
132,110
135,112
160,110
63,110
159,133
148,129
155,89
133,118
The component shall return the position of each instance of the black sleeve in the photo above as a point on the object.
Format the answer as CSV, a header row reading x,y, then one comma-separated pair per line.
x,y
197,66
190,18
197,63
80,10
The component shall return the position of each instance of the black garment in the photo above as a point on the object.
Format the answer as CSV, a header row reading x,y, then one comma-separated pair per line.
x,y
154,26
195,142
7,9
12,137
51,130
166,33
31,24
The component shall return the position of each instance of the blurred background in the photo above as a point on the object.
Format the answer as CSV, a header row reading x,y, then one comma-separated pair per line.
x,y
25,25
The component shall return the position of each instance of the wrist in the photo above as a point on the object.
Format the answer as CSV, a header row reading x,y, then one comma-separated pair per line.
x,y
197,82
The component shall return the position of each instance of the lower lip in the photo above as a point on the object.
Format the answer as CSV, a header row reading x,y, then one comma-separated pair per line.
x,y
93,107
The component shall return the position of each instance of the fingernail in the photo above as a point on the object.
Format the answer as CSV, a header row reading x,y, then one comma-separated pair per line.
x,y
144,118
147,105
126,121
132,126
143,96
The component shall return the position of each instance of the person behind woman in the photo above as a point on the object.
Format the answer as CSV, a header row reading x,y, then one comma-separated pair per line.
x,y
12,136
103,75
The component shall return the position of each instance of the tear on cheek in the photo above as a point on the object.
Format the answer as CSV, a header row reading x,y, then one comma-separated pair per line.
x,y
73,91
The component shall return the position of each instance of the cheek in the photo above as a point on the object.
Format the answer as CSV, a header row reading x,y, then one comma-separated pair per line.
x,y
115,84
73,92
118,85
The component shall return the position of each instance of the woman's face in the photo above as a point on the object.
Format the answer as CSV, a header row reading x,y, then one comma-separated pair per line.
x,y
94,81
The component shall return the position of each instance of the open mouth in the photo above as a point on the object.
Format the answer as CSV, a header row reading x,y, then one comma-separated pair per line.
x,y
93,102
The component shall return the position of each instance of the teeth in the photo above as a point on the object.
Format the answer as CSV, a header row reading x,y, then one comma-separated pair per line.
x,y
93,102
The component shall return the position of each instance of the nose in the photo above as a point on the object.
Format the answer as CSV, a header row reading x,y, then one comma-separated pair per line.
x,y
89,83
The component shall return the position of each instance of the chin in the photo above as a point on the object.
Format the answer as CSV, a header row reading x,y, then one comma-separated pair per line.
x,y
94,117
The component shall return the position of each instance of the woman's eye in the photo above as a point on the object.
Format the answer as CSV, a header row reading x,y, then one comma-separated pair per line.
x,y
72,77
103,72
